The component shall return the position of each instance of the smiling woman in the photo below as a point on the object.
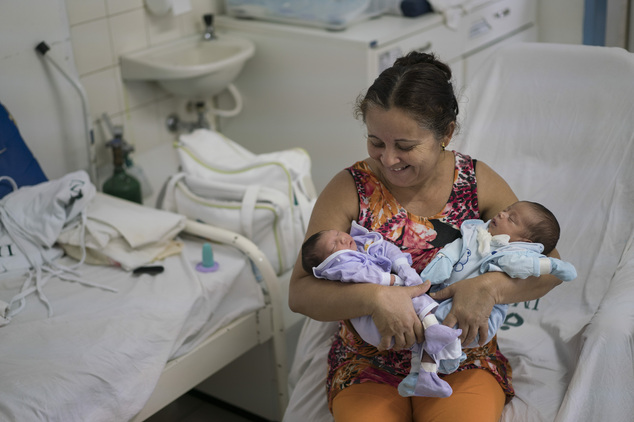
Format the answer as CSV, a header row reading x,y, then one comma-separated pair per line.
x,y
416,194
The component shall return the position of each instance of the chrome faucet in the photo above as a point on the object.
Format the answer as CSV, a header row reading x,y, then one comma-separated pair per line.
x,y
209,33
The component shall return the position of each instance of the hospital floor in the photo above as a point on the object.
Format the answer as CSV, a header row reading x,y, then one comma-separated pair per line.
x,y
197,407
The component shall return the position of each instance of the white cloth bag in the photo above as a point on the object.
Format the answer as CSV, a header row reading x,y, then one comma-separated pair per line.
x,y
267,198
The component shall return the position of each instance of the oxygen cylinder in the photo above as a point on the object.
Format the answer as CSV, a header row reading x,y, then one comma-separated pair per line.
x,y
121,184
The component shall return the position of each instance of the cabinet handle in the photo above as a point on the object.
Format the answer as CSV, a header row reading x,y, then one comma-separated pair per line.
x,y
424,48
503,13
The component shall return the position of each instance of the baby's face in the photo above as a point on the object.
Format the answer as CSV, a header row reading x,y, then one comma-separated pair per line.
x,y
513,221
333,240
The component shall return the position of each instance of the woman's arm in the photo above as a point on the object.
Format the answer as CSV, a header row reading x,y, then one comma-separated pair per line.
x,y
391,308
474,298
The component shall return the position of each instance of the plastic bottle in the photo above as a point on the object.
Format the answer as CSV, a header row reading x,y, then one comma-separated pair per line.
x,y
121,184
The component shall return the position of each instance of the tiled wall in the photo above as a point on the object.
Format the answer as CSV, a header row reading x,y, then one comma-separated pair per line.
x,y
102,30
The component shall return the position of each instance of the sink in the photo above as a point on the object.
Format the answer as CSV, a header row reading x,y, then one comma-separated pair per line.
x,y
190,67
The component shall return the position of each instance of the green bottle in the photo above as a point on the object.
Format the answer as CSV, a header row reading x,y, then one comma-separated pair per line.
x,y
121,184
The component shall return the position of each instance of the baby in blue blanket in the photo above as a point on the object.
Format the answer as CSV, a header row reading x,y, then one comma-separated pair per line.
x,y
515,241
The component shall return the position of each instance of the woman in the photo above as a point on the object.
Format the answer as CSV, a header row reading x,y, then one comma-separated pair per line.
x,y
416,194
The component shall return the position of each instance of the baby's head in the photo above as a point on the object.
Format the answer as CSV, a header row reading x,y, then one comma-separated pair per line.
x,y
527,221
322,244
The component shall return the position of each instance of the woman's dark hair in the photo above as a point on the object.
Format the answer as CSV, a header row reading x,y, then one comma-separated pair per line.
x,y
310,257
419,84
546,230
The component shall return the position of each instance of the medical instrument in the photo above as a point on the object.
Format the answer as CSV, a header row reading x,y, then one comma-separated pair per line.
x,y
121,184
130,167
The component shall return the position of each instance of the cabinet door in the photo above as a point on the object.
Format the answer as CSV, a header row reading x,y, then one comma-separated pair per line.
x,y
497,20
474,61
446,43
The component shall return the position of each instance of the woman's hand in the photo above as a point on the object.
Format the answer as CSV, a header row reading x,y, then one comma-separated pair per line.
x,y
472,304
395,318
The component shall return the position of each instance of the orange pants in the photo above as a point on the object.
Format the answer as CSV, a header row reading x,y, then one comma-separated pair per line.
x,y
477,397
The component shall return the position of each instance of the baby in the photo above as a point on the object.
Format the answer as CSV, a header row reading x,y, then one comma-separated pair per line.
x,y
515,241
512,242
365,257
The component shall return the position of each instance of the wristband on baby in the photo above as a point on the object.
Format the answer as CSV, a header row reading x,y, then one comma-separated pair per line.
x,y
429,320
544,266
398,281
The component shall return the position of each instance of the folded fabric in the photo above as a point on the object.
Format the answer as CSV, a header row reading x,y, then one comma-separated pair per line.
x,y
123,233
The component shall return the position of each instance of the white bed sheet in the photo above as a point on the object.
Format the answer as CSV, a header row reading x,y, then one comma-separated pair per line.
x,y
100,355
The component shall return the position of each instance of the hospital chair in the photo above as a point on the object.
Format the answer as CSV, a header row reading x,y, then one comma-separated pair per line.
x,y
557,122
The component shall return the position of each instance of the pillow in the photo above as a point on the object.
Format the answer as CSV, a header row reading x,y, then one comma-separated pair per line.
x,y
16,160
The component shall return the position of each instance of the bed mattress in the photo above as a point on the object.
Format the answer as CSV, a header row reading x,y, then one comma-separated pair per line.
x,y
99,356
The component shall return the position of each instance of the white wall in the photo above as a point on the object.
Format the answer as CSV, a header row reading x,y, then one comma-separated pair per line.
x,y
36,94
87,37
561,21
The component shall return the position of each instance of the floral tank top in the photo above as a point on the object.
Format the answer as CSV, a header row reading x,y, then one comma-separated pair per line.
x,y
351,360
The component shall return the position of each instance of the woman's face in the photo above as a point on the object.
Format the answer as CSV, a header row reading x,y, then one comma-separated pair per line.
x,y
405,153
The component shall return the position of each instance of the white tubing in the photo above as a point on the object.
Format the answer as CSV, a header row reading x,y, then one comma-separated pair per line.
x,y
92,170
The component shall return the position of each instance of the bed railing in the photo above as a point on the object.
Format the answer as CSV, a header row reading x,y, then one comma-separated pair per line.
x,y
273,296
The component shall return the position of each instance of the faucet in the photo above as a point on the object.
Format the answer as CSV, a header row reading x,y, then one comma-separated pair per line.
x,y
209,33
176,125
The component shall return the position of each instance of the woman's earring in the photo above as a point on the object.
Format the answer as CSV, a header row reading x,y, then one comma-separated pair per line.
x,y
442,146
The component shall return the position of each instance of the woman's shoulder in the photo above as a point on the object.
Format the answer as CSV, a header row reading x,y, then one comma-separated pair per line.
x,y
343,179
494,193
337,204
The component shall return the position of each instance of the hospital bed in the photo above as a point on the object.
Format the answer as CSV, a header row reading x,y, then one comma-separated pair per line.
x,y
557,122
123,354
107,356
